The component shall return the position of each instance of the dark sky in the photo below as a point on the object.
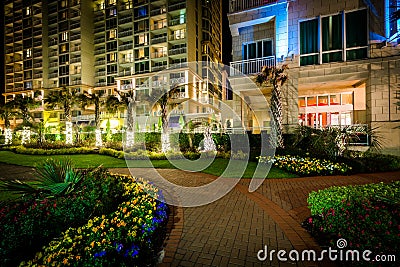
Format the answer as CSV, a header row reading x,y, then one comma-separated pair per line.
x,y
226,35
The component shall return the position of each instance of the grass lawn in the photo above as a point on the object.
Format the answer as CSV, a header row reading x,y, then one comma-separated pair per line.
x,y
216,167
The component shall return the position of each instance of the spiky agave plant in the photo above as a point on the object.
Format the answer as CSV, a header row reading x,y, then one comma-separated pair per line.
x,y
54,177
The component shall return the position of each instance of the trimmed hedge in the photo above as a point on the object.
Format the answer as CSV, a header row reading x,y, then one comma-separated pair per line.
x,y
367,216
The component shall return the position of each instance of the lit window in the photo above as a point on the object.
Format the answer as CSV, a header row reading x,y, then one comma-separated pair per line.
x,y
180,34
113,11
28,53
112,2
143,39
112,57
112,34
28,10
64,3
64,36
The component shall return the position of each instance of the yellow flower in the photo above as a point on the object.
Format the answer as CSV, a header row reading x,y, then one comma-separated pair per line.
x,y
92,244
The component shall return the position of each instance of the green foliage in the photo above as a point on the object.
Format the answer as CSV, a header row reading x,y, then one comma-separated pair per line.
x,y
53,178
31,222
131,235
306,166
367,216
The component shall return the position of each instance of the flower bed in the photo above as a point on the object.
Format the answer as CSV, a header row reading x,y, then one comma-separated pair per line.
x,y
125,217
306,166
367,216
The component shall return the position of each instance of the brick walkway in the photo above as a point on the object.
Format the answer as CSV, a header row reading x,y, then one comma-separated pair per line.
x,y
230,231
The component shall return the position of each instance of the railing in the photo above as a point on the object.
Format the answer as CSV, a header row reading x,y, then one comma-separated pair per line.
x,y
124,20
251,66
99,62
158,11
158,40
100,73
53,75
99,40
125,33
100,84
76,82
125,73
158,26
176,6
125,47
158,68
99,51
76,59
177,51
159,54
176,38
52,54
75,37
240,5
177,21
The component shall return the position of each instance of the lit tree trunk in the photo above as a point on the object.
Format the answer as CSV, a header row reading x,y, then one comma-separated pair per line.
x,y
165,142
130,131
276,108
99,141
68,125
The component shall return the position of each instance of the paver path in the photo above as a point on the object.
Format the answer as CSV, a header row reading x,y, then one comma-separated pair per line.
x,y
230,231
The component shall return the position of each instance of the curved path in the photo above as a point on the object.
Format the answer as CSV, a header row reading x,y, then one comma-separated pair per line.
x,y
230,231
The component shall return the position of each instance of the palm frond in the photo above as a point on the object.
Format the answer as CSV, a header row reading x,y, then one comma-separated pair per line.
x,y
17,187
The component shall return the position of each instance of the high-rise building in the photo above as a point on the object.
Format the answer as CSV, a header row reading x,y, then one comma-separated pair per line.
x,y
99,44
343,58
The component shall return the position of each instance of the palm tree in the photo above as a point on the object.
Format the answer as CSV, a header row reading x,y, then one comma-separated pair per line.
x,y
6,112
165,101
127,100
87,99
64,99
22,106
275,76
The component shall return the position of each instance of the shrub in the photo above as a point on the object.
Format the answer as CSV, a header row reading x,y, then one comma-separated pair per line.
x,y
306,166
30,223
360,214
130,236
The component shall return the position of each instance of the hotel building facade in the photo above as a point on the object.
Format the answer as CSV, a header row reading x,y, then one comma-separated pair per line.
x,y
343,58
108,45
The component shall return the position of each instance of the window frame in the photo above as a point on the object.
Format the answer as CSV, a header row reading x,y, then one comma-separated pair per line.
x,y
246,44
344,49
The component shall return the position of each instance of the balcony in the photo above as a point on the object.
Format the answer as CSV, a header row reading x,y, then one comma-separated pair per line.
x,y
125,33
241,5
76,48
158,11
37,65
76,59
53,54
158,40
125,73
177,51
251,66
125,19
99,62
125,47
99,51
76,82
75,37
159,68
100,73
177,21
53,75
99,40
176,6
159,54
100,84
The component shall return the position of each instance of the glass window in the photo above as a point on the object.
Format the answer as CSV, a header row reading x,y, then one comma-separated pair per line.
x,y
334,99
257,49
322,100
28,10
356,29
28,53
311,101
347,99
332,38
302,102
112,34
309,37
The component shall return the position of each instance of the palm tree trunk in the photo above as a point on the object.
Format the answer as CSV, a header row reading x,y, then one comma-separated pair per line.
x,y
276,107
